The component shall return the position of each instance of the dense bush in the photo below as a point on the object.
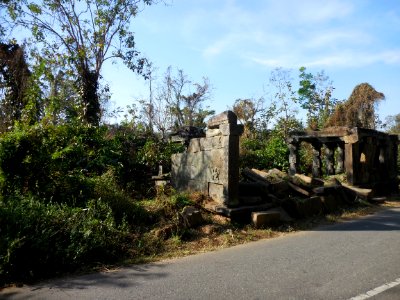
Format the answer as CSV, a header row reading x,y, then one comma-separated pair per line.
x,y
66,195
39,239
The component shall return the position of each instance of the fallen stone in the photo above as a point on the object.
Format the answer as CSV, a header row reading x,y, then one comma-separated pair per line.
x,y
253,176
284,216
360,192
264,218
191,217
280,189
250,200
330,203
310,207
304,180
299,189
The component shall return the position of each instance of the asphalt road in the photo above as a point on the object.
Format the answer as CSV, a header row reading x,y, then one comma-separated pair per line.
x,y
340,261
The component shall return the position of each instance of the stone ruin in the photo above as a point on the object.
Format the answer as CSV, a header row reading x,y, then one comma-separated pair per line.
x,y
210,165
367,157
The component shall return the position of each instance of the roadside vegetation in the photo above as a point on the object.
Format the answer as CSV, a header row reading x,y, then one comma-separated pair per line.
x,y
76,190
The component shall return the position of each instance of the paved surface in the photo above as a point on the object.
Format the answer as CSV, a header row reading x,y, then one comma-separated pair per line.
x,y
333,262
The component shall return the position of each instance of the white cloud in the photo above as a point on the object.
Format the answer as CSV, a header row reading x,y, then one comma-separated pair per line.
x,y
332,60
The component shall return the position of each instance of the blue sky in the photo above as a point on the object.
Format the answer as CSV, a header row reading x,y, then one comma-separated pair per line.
x,y
236,44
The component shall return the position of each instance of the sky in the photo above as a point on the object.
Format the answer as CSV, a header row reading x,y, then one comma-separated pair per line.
x,y
236,45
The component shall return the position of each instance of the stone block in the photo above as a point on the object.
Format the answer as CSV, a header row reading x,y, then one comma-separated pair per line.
x,y
194,146
331,203
227,117
213,132
231,129
216,142
216,192
265,218
191,217
280,188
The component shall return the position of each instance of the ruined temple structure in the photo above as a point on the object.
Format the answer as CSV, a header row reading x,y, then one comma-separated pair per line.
x,y
210,164
367,157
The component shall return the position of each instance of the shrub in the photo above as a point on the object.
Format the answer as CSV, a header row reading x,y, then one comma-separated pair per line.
x,y
268,154
40,239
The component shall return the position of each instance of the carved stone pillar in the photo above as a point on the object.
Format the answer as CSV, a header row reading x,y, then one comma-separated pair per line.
x,y
340,159
293,158
316,161
330,159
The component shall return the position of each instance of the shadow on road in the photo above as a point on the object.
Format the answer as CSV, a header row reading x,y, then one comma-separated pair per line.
x,y
386,220
132,276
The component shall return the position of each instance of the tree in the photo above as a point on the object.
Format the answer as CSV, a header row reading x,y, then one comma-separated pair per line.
x,y
246,111
393,124
315,96
285,98
181,105
359,110
82,35
16,82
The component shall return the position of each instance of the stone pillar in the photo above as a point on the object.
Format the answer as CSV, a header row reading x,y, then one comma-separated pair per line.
x,y
293,158
330,159
316,161
211,164
352,162
340,159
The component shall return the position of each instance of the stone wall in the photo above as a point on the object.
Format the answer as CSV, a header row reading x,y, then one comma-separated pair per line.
x,y
211,164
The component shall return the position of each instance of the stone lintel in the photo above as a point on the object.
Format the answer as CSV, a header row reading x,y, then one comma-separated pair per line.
x,y
227,117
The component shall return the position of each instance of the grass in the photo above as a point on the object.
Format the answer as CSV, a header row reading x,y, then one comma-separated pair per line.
x,y
220,233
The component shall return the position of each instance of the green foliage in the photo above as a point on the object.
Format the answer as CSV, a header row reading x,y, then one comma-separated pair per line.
x,y
78,37
315,96
38,239
264,155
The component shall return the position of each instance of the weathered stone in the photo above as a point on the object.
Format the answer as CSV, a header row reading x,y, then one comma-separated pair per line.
x,y
280,188
284,216
191,217
368,157
213,132
360,192
216,192
227,117
293,158
231,129
250,200
330,202
194,146
252,189
306,181
264,218
299,189
316,163
310,206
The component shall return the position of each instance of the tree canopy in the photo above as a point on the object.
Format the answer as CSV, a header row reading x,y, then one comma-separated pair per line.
x,y
359,110
80,36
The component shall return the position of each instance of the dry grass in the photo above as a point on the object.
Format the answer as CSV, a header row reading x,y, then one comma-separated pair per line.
x,y
220,233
